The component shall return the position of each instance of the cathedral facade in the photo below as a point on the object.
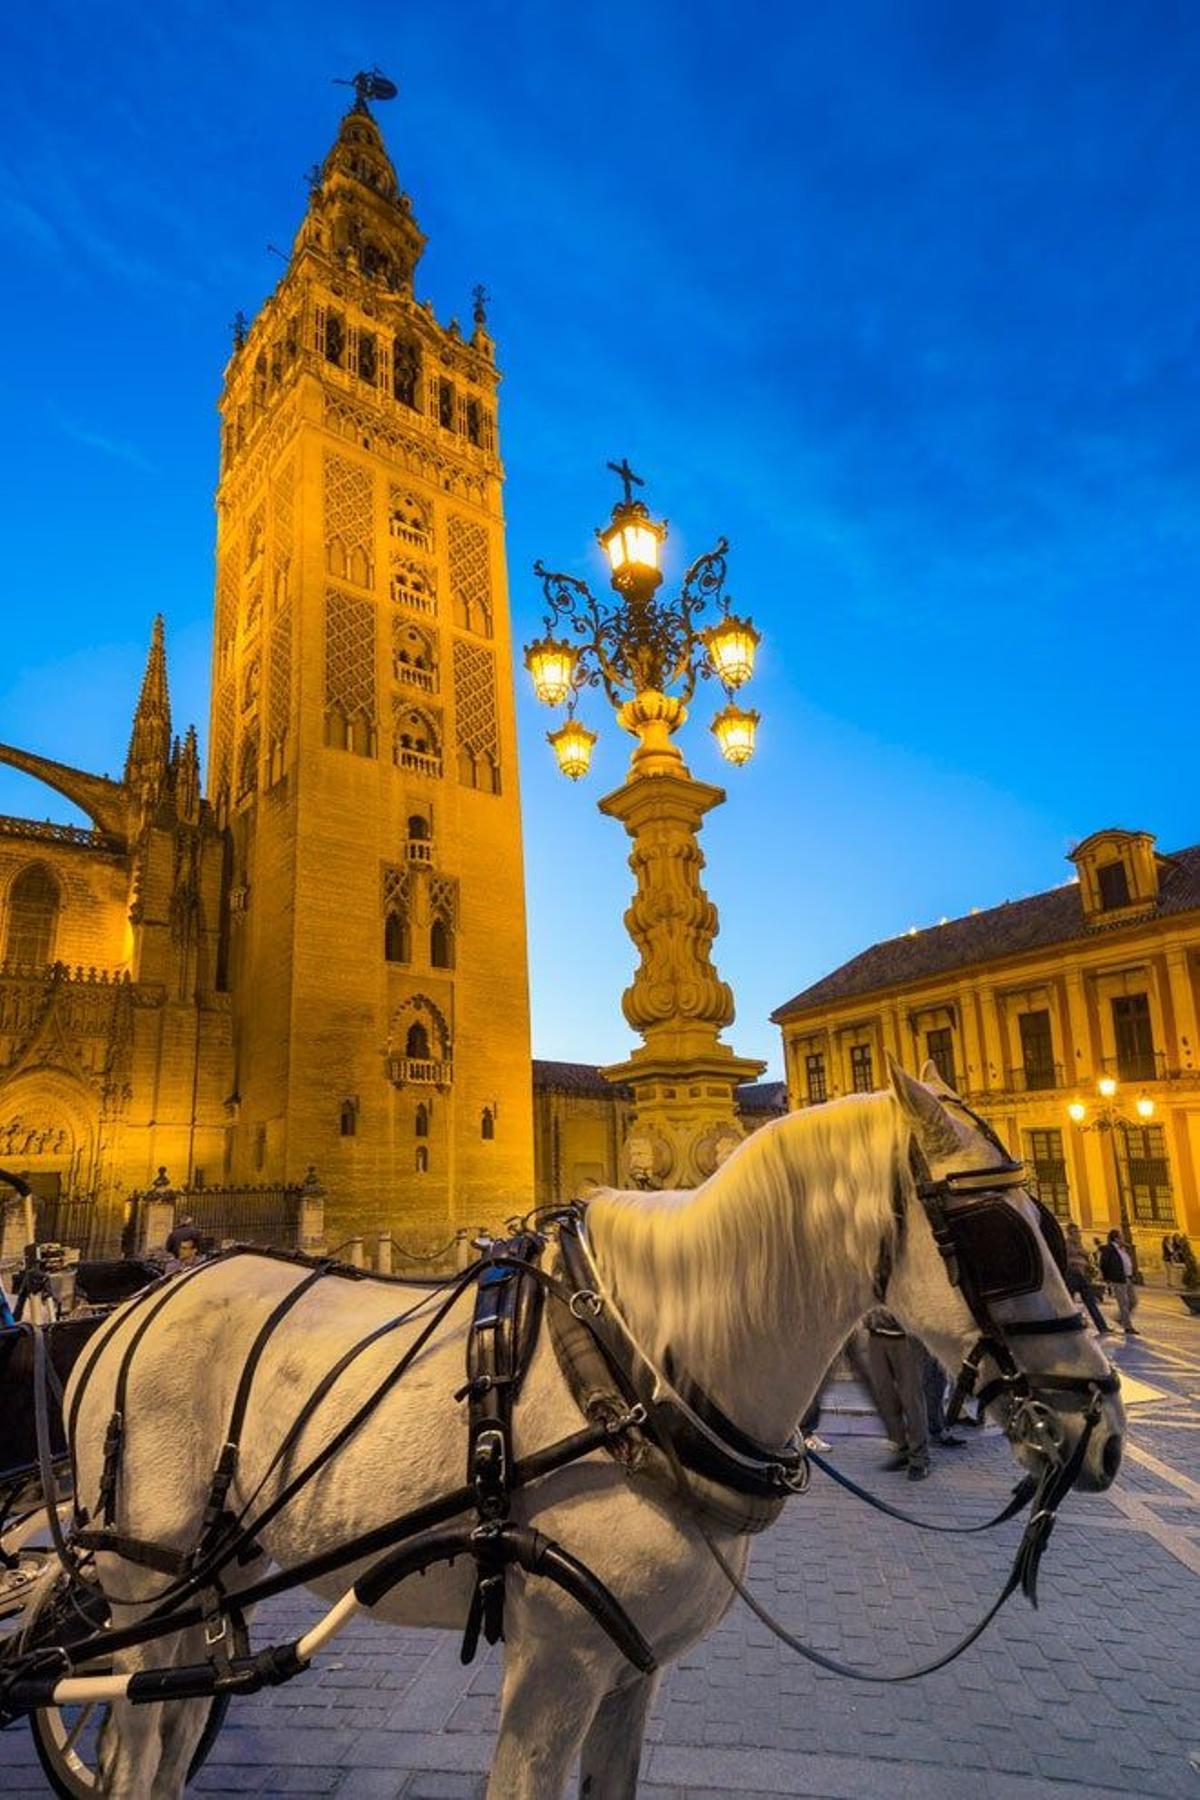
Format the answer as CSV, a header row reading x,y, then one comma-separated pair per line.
x,y
323,961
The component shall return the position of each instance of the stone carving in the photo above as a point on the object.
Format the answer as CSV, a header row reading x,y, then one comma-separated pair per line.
x,y
673,923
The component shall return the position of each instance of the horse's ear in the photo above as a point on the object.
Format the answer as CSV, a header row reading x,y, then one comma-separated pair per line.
x,y
929,1119
931,1077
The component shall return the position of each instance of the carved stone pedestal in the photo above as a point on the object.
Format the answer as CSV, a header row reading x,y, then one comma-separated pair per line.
x,y
683,1076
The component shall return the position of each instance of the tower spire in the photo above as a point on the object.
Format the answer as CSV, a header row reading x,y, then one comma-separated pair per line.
x,y
150,739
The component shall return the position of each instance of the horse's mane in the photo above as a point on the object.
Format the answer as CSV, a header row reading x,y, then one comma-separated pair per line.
x,y
791,1221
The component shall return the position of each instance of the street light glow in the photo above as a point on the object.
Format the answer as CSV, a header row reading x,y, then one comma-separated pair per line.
x,y
731,644
551,664
734,730
1145,1107
572,744
1106,1087
1078,1111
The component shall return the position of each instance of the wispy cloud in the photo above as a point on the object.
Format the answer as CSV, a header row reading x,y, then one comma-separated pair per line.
x,y
117,448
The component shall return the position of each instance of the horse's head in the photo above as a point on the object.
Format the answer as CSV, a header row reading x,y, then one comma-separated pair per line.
x,y
980,1279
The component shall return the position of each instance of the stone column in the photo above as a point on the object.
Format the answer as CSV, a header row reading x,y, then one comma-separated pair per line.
x,y
683,1076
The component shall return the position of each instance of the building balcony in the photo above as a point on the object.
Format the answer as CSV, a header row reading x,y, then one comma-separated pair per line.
x,y
1137,1065
418,1071
419,762
419,851
415,676
1031,1078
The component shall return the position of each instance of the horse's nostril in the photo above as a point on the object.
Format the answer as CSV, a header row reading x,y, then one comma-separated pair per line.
x,y
1110,1456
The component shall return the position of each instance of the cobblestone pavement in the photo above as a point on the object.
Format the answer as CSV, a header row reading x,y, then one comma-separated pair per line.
x,y
1098,1691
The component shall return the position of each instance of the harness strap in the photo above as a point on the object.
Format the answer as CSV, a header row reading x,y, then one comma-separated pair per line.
x,y
226,1469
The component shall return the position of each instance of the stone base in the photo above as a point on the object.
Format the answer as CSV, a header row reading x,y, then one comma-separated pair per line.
x,y
685,1122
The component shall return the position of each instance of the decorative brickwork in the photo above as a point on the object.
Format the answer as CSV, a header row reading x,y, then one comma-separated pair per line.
x,y
349,521
222,759
282,533
279,691
470,575
228,584
477,728
350,706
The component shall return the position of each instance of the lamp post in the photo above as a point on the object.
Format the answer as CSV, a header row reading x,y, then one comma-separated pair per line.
x,y
1109,1118
648,653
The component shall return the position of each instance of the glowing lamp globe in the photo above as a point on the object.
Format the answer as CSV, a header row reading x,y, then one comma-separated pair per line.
x,y
1106,1087
1078,1111
572,744
551,664
731,644
633,544
1145,1107
734,730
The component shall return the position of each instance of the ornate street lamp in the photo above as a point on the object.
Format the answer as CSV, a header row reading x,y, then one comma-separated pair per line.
x,y
648,653
1109,1119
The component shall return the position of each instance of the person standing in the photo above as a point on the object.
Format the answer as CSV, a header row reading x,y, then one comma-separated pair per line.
x,y
1116,1266
894,1373
933,1381
1079,1278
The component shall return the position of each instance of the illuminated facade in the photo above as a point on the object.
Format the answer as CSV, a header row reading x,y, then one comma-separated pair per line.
x,y
1026,1008
333,942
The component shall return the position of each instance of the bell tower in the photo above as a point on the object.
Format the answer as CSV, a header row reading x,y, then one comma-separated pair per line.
x,y
363,747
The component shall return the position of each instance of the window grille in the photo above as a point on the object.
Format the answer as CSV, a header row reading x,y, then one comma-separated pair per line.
x,y
1048,1170
814,1069
470,575
1146,1174
939,1048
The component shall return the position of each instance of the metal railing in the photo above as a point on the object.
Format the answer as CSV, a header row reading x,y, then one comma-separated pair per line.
x,y
1028,1078
1137,1065
418,1071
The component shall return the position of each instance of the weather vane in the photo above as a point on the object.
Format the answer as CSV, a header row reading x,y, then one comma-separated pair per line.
x,y
481,297
368,84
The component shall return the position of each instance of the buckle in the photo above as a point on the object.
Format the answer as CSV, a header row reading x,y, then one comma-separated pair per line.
x,y
585,1303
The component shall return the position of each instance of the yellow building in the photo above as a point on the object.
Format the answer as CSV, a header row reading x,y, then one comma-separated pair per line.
x,y
1025,1009
325,962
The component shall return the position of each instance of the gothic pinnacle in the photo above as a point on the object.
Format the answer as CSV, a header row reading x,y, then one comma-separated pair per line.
x,y
150,739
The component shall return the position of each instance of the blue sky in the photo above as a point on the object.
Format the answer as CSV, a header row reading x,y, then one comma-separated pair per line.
x,y
902,298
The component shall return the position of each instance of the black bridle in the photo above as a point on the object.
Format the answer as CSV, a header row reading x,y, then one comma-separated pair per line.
x,y
968,1209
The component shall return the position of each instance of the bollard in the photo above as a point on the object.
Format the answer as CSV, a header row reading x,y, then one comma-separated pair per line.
x,y
354,1253
383,1254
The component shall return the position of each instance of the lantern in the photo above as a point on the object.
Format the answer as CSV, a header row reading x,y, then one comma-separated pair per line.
x,y
1106,1087
1078,1111
633,545
731,644
734,730
572,744
551,664
1145,1107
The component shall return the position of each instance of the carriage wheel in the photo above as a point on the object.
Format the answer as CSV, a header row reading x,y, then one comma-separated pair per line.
x,y
67,1738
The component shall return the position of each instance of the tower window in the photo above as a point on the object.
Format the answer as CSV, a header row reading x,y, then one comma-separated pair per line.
x,y
406,372
348,1119
445,403
33,908
397,940
474,429
416,1043
487,1124
441,945
335,339
421,1159
368,357
421,1122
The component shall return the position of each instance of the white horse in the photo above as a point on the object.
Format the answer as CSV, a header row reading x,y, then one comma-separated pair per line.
x,y
749,1283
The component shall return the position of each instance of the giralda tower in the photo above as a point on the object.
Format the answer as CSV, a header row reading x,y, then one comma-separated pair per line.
x,y
363,750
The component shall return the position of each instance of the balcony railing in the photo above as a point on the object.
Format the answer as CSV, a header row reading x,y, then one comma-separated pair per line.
x,y
419,850
1137,1065
419,761
418,1071
1029,1078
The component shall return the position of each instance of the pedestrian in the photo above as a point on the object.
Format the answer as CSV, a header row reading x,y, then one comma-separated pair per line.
x,y
184,1228
894,1372
187,1249
1079,1278
1116,1266
933,1381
